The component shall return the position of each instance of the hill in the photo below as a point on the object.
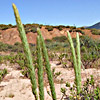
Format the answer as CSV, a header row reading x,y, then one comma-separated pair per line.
x,y
10,35
96,26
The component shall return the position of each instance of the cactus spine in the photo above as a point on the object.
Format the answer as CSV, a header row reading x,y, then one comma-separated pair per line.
x,y
40,69
27,51
47,65
76,61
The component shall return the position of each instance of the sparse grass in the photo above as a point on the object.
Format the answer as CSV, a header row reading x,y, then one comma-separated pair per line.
x,y
3,73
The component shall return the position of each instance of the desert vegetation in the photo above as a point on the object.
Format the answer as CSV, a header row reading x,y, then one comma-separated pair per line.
x,y
95,31
34,60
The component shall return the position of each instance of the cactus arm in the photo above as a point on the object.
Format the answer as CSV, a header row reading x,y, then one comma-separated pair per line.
x,y
26,50
40,69
47,64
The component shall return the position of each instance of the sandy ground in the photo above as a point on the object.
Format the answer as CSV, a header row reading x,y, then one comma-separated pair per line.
x,y
16,87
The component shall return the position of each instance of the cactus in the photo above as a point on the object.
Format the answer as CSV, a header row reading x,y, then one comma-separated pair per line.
x,y
76,61
40,69
27,51
47,65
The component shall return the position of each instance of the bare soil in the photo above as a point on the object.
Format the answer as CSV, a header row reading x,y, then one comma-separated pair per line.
x,y
15,86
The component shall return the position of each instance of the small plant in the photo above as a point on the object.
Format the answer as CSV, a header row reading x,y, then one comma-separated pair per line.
x,y
49,28
41,49
40,69
47,65
90,91
3,73
11,95
77,30
76,61
34,29
55,74
95,31
82,28
60,38
27,51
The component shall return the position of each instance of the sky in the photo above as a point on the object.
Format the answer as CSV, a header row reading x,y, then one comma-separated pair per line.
x,y
52,12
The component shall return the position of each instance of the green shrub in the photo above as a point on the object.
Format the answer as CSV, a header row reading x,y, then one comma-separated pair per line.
x,y
60,38
67,26
88,41
49,28
4,27
34,29
60,27
27,30
70,30
83,49
48,41
90,91
82,28
17,44
73,27
95,31
3,47
3,73
80,31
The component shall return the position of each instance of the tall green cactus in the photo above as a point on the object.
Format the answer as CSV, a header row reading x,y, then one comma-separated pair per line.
x,y
27,51
40,69
47,65
76,61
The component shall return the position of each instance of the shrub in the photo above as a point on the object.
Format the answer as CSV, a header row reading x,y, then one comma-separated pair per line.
x,y
3,47
70,30
17,43
60,38
34,29
80,31
67,26
3,73
48,41
40,26
83,49
90,91
49,28
87,41
27,29
4,27
60,27
82,28
95,31
73,27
